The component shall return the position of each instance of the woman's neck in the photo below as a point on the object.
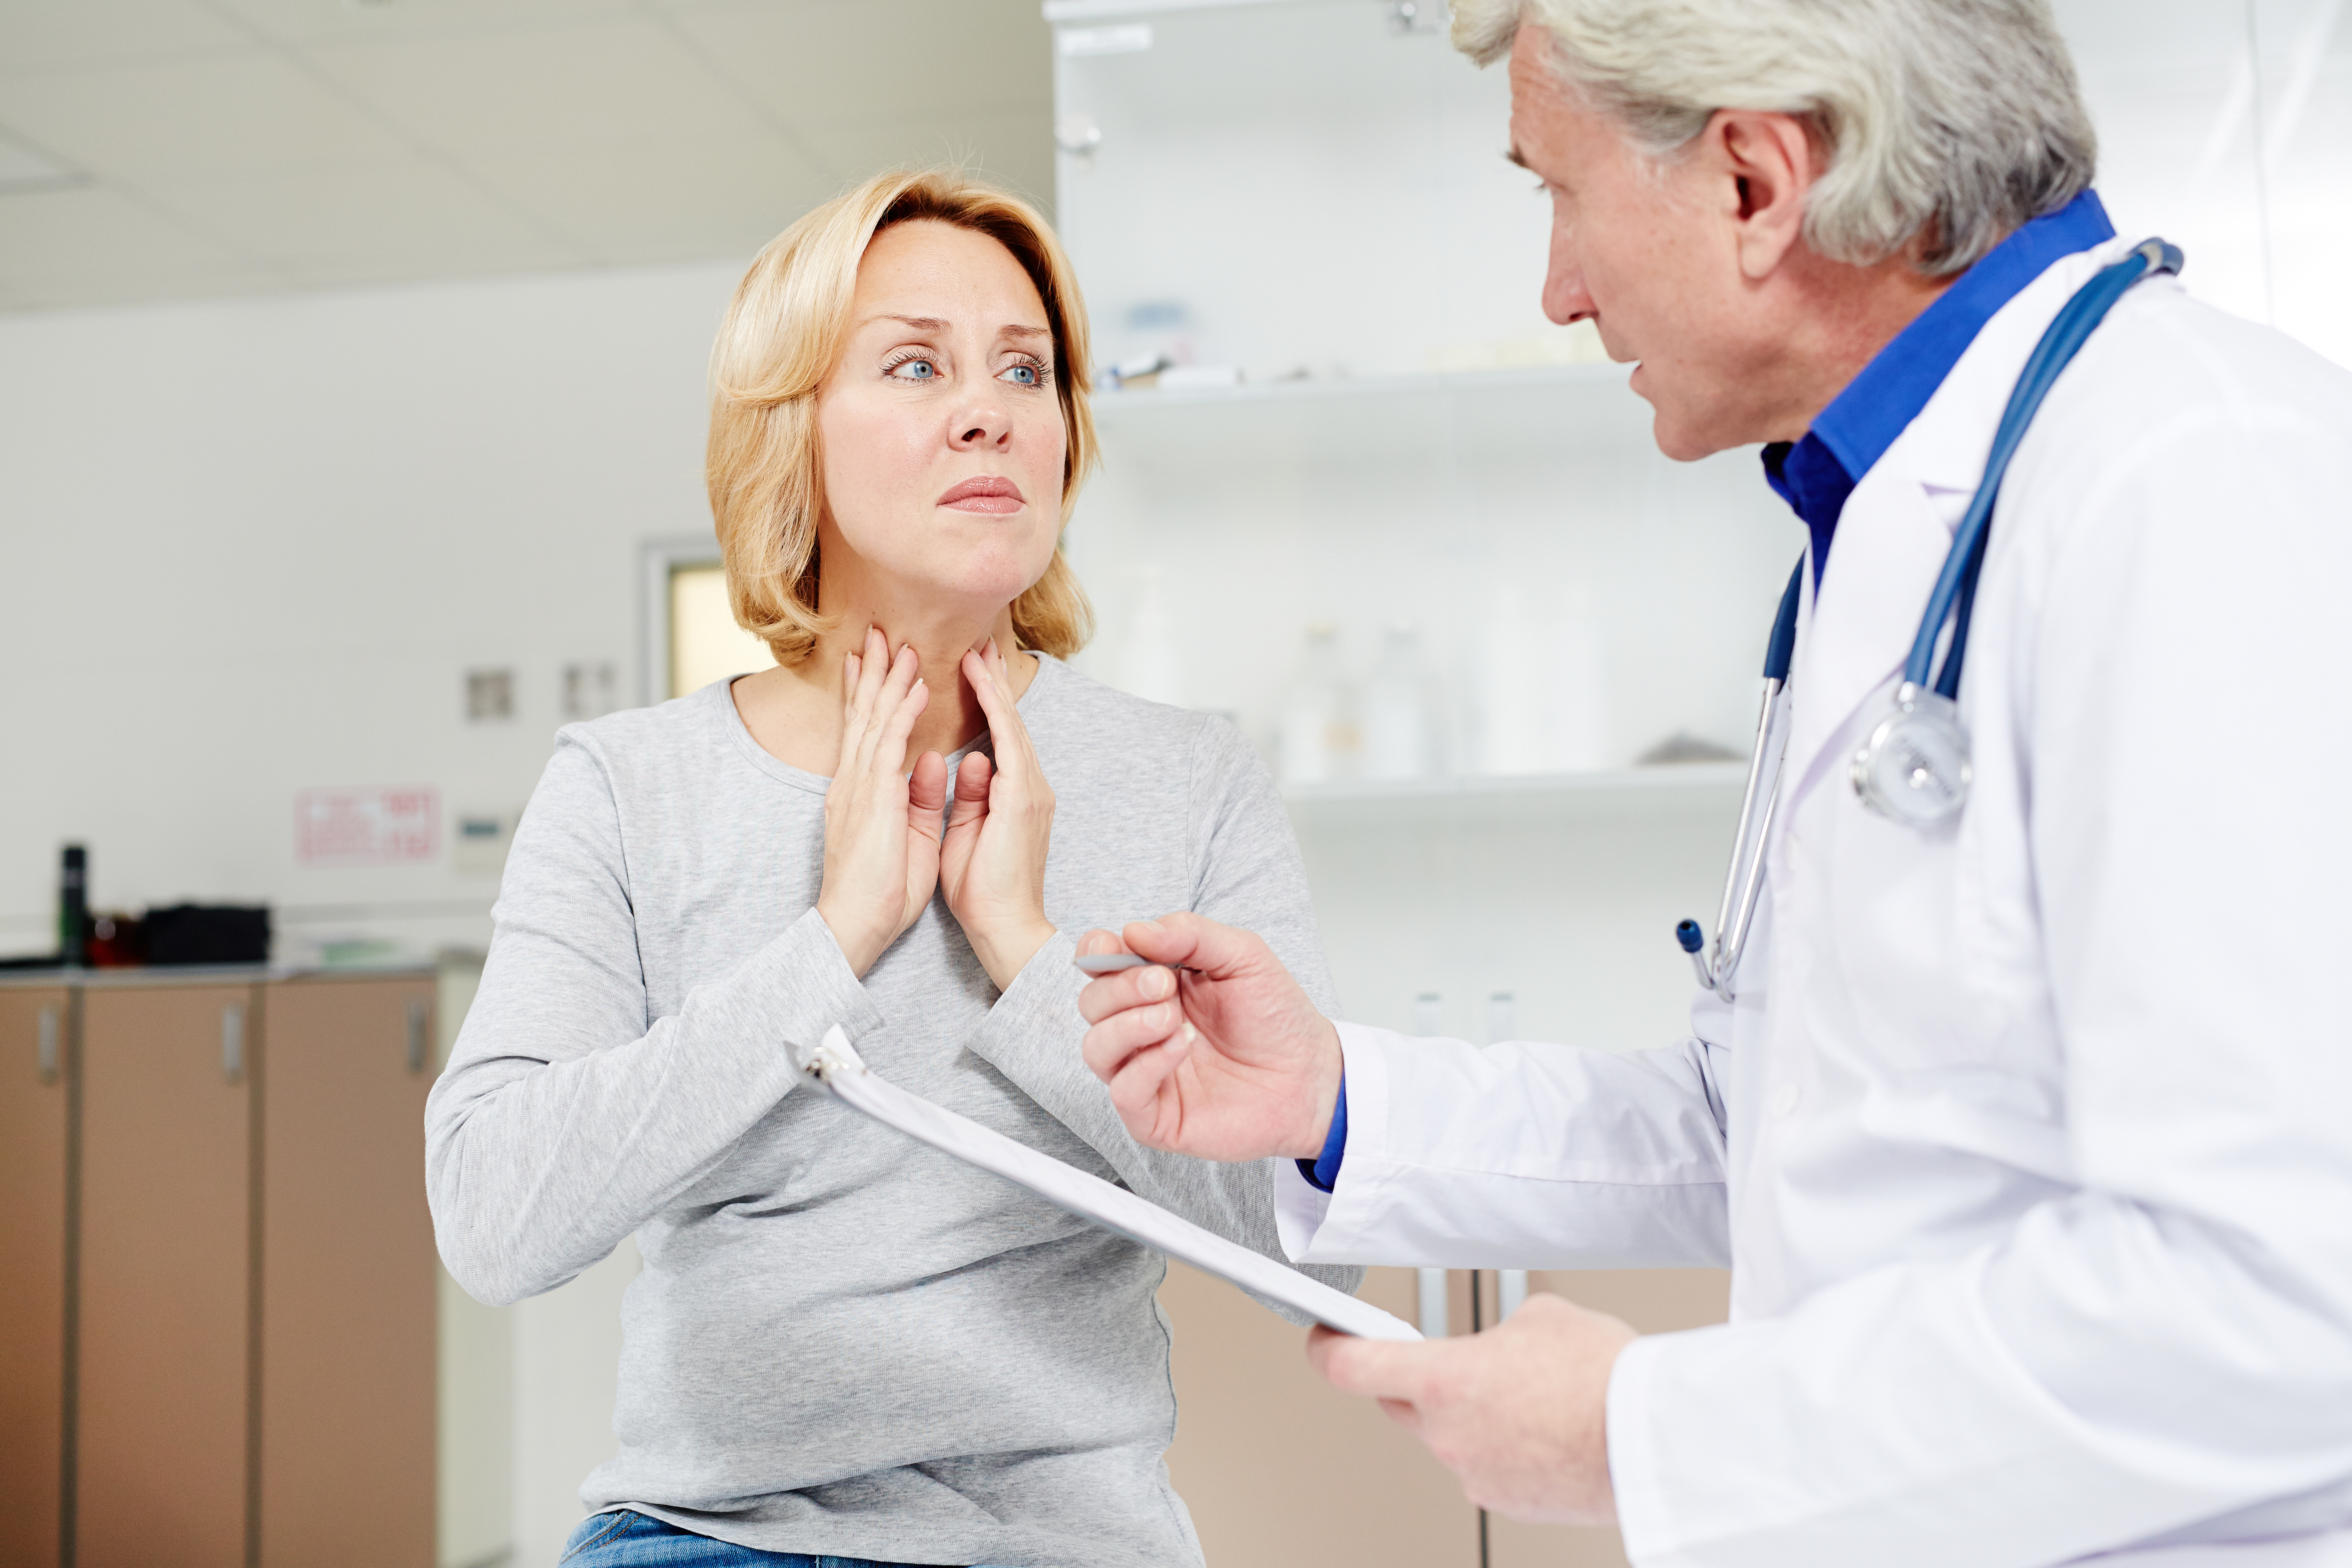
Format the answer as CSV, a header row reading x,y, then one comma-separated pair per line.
x,y
793,712
952,717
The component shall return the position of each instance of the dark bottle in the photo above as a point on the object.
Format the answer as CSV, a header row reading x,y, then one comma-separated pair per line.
x,y
73,907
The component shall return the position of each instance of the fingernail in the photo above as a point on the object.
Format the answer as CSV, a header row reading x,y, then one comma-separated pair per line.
x,y
1159,981
1190,1033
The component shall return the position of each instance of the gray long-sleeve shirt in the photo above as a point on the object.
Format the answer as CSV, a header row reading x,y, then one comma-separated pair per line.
x,y
844,1342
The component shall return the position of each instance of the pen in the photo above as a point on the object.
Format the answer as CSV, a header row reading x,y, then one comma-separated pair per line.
x,y
1112,962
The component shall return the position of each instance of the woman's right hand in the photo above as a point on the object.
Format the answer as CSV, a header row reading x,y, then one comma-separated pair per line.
x,y
882,825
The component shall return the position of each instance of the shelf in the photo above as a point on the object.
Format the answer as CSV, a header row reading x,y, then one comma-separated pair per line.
x,y
1705,787
1145,401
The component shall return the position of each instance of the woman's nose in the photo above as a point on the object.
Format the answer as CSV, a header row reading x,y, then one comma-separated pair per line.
x,y
980,426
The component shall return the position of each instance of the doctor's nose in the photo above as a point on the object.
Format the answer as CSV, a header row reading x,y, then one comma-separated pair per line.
x,y
981,427
1565,298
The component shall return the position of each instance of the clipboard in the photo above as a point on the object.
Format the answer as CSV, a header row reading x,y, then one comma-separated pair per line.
x,y
837,1065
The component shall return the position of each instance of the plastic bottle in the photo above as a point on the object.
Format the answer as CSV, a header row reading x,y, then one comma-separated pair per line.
x,y
1398,723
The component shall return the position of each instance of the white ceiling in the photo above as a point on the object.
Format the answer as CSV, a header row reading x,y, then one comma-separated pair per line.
x,y
164,148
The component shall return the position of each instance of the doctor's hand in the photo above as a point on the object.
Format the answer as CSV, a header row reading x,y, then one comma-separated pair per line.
x,y
881,824
1519,1414
1226,1059
992,861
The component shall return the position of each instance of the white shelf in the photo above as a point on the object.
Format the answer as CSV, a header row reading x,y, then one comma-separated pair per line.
x,y
1145,401
1705,787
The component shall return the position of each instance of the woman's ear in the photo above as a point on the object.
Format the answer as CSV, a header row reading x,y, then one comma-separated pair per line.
x,y
1761,165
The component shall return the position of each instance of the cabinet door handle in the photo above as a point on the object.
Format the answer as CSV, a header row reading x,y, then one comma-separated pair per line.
x,y
420,1014
49,1032
232,1042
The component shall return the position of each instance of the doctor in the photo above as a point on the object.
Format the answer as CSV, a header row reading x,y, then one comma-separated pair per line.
x,y
2027,1134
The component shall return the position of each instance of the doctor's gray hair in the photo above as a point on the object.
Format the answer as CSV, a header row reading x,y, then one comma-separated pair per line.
x,y
1946,123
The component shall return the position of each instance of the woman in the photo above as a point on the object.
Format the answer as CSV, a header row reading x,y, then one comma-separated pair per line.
x,y
845,1344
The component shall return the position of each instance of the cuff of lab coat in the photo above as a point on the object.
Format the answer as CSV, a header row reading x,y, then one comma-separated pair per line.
x,y
1329,1227
1634,1451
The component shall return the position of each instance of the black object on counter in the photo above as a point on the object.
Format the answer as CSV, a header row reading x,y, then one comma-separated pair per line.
x,y
73,907
207,934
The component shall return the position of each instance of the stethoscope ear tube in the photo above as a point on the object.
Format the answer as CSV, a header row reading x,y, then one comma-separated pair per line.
x,y
1915,767
1955,585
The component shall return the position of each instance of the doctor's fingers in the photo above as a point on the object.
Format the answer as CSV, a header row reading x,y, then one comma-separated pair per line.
x,y
1395,1374
1115,994
1136,1071
1183,937
1108,1045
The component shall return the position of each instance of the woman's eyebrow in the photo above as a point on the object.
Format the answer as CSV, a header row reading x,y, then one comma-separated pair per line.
x,y
939,325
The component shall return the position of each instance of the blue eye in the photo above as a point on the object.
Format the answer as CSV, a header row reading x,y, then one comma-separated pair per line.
x,y
1021,375
916,369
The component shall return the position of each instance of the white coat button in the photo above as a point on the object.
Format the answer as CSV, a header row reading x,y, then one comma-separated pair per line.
x,y
1784,1100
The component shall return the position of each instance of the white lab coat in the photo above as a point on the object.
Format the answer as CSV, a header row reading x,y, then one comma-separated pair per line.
x,y
2030,1144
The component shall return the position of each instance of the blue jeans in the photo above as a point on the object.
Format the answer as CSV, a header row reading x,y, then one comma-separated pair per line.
x,y
626,1539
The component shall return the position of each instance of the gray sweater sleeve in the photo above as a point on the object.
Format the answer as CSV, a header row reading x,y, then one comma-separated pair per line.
x,y
1245,871
564,1120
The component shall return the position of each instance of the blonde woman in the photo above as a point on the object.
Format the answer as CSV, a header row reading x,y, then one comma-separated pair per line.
x,y
844,1346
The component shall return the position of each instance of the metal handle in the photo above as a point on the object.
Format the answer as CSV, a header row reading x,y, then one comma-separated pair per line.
x,y
232,1042
49,1036
420,1013
1432,1303
1510,1290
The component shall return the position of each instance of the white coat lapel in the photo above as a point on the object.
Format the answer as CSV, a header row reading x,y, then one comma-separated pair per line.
x,y
1898,524
1890,545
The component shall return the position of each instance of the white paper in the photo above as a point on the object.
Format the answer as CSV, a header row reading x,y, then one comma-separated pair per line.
x,y
1092,1198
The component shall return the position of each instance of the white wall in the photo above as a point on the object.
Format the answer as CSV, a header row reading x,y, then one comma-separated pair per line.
x,y
250,547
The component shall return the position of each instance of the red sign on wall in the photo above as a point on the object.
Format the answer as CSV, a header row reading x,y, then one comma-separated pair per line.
x,y
367,826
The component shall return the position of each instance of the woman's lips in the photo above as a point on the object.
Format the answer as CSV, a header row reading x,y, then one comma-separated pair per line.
x,y
989,495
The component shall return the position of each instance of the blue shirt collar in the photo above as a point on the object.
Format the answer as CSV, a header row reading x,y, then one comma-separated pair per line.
x,y
1815,475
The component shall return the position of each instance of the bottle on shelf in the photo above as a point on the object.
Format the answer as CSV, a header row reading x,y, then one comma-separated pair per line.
x,y
1399,730
1151,662
1320,741
1541,703
1428,1014
73,906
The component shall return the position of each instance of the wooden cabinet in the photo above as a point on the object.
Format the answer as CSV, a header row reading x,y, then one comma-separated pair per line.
x,y
164,1305
1279,1469
347,1273
219,1352
34,1038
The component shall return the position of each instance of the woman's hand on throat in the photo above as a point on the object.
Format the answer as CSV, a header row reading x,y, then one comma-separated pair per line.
x,y
992,860
881,823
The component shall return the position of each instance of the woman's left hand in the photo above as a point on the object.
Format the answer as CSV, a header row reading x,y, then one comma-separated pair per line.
x,y
992,860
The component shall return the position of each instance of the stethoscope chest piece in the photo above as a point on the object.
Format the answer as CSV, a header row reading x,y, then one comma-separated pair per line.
x,y
1915,766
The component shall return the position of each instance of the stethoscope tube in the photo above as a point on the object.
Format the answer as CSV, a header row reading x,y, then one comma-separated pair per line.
x,y
1954,595
1953,600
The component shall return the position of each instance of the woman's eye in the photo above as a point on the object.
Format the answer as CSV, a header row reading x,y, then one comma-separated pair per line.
x,y
1021,375
915,370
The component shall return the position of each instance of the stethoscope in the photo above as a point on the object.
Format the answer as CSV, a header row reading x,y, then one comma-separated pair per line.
x,y
1913,768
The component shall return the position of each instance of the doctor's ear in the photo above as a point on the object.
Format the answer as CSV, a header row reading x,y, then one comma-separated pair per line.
x,y
1759,166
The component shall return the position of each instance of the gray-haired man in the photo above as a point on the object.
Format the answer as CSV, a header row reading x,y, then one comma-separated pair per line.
x,y
2022,1133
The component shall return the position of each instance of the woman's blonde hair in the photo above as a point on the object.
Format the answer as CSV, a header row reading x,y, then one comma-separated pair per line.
x,y
783,330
